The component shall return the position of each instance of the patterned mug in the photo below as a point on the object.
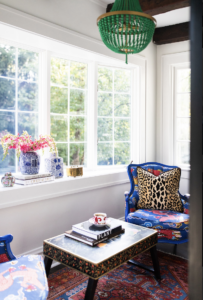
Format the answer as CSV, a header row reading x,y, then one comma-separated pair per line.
x,y
100,218
8,180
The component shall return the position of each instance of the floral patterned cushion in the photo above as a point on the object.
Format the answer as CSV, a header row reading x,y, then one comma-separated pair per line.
x,y
171,226
174,236
3,257
159,219
23,278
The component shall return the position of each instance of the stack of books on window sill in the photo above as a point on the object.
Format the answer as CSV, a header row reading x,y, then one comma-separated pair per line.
x,y
33,179
90,234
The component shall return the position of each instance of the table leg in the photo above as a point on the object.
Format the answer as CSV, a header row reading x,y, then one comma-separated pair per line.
x,y
155,261
47,263
91,288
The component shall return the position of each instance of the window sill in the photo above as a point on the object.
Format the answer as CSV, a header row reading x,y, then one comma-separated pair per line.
x,y
91,180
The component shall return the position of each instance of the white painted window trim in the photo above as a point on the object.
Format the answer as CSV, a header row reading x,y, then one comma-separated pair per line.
x,y
53,38
47,34
63,187
49,47
175,70
169,62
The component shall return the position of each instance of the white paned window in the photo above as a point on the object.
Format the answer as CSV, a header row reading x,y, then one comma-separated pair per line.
x,y
19,97
114,116
182,117
84,100
68,107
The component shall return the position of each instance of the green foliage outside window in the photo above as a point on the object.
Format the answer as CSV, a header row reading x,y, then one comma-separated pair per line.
x,y
7,61
19,71
7,94
69,109
114,103
19,94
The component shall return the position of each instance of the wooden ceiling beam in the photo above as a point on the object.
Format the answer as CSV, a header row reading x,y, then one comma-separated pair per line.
x,y
156,7
171,34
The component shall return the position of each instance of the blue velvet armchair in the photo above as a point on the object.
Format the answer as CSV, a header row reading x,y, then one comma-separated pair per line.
x,y
23,277
172,226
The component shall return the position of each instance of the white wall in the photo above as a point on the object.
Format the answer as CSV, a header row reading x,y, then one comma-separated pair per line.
x,y
43,217
31,223
76,21
77,26
162,51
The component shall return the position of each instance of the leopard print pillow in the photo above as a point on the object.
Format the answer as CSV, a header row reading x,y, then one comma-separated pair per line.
x,y
159,192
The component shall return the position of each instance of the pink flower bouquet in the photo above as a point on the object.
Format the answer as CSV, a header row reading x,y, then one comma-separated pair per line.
x,y
25,144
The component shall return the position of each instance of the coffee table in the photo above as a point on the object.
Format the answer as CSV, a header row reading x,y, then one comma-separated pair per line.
x,y
103,258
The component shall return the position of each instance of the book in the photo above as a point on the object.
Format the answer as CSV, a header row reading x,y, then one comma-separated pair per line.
x,y
89,241
25,177
34,181
92,231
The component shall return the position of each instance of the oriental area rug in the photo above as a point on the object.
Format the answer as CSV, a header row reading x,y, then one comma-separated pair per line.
x,y
127,282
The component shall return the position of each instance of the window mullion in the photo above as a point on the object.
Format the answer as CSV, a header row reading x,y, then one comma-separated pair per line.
x,y
69,115
16,106
92,117
113,116
175,146
178,154
134,112
44,93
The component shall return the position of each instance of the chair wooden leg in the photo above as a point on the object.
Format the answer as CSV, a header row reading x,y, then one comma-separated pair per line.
x,y
175,248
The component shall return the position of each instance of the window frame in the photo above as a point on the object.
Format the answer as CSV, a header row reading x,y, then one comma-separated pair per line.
x,y
39,82
165,106
132,97
175,117
49,48
56,55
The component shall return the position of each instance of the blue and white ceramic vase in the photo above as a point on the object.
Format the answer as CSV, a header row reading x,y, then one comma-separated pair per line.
x,y
29,163
54,165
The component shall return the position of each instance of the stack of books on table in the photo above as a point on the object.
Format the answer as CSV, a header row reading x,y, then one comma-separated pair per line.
x,y
33,179
92,235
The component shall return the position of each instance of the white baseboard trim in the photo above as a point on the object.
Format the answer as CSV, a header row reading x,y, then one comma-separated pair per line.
x,y
39,251
35,251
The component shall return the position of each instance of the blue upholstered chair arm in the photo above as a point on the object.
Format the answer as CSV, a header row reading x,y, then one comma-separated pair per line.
x,y
186,197
127,209
5,246
186,205
130,204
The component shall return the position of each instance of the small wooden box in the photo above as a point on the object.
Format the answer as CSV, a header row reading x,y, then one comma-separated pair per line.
x,y
74,171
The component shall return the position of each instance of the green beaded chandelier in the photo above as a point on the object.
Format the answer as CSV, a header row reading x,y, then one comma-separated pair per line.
x,y
126,29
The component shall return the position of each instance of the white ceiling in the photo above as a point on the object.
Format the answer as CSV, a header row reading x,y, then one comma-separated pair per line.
x,y
170,18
